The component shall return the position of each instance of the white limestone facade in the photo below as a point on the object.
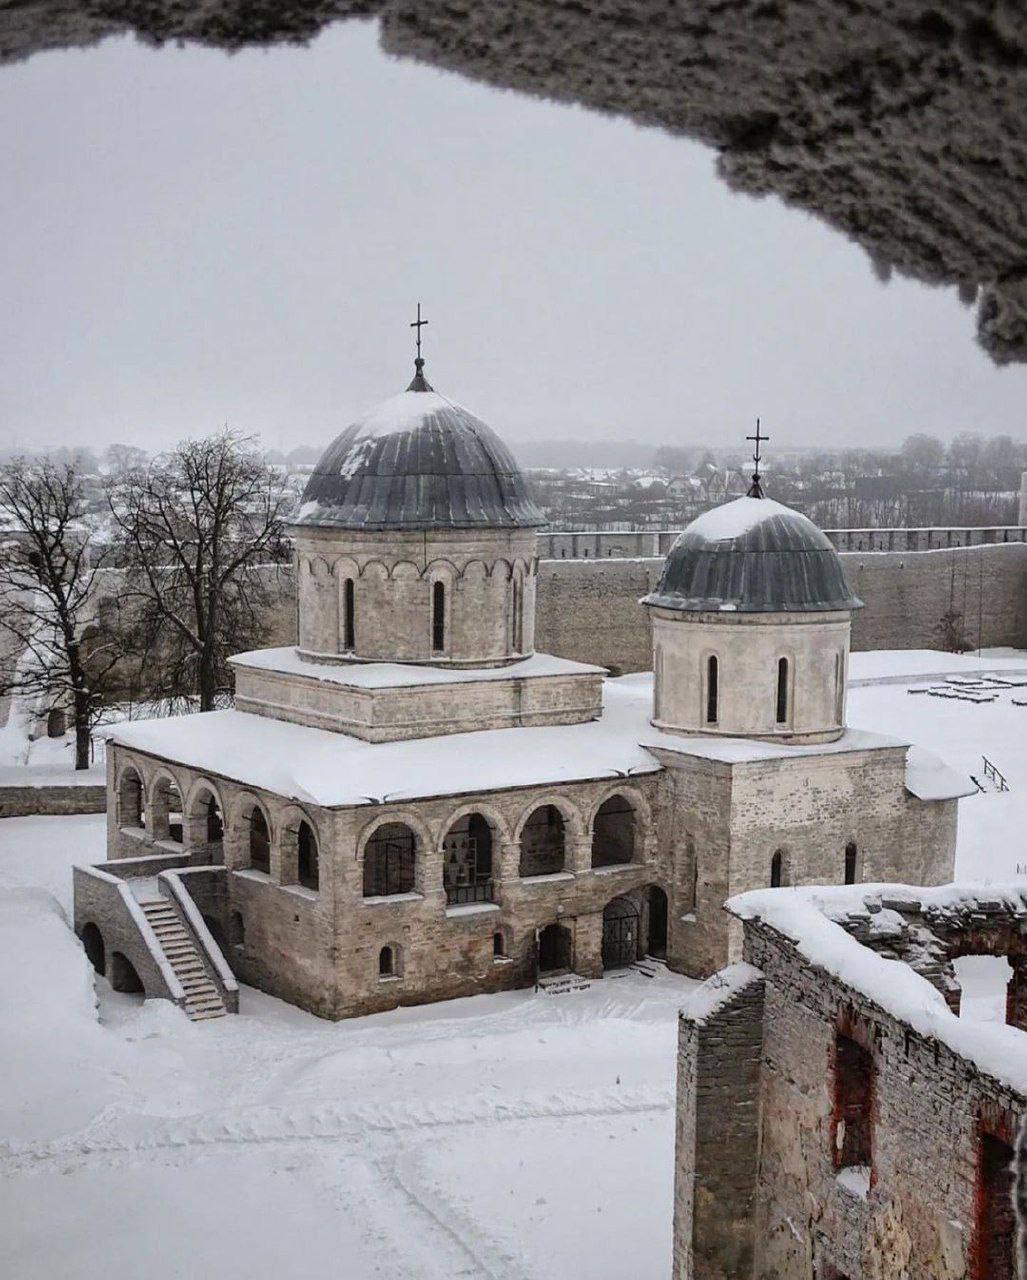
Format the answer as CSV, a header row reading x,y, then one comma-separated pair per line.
x,y
413,805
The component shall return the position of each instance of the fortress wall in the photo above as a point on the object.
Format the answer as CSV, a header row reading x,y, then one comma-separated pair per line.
x,y
589,610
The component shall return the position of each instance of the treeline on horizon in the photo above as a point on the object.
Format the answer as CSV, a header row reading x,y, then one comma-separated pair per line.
x,y
967,452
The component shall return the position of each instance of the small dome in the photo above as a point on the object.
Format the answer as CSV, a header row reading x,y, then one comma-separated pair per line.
x,y
753,555
417,461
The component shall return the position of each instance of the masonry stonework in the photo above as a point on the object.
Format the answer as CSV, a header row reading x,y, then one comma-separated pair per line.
x,y
915,1212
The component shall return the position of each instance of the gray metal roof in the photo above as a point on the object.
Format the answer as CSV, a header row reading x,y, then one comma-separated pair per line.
x,y
418,461
753,555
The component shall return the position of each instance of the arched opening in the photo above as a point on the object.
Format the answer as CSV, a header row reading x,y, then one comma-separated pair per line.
x,y
554,949
543,843
782,691
259,842
438,617
620,933
131,806
215,822
613,833
308,871
389,860
166,815
498,946
349,615
467,860
388,962
712,689
96,953
658,915
205,828
851,860
56,722
123,975
778,870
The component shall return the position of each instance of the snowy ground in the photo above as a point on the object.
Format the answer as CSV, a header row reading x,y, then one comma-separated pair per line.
x,y
514,1137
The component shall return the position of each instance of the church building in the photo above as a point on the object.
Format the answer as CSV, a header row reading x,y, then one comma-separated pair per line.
x,y
412,804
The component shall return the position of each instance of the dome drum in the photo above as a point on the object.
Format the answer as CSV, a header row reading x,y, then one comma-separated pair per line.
x,y
751,624
415,541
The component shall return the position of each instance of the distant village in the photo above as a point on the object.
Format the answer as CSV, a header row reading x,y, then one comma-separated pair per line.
x,y
973,481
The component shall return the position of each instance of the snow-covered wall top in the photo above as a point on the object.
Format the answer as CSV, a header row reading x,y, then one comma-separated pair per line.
x,y
811,919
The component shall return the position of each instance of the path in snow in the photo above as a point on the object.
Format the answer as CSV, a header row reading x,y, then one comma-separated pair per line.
x,y
512,1137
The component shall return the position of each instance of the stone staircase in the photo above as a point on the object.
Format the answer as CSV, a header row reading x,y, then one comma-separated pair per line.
x,y
202,998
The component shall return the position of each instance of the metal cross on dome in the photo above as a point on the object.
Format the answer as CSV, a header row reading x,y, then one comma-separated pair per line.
x,y
418,325
756,489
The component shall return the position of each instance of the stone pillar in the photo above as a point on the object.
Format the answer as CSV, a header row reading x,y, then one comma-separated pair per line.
x,y
1022,518
579,853
720,1046
588,945
1016,993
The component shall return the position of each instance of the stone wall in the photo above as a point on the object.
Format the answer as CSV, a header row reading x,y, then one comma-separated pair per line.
x,y
589,610
20,802
914,1215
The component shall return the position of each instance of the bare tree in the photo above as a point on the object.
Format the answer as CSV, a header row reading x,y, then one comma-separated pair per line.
x,y
196,528
48,559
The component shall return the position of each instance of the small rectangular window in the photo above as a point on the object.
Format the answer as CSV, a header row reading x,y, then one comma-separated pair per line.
x,y
854,1100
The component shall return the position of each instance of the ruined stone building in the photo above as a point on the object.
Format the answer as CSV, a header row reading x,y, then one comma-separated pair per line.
x,y
836,1117
412,804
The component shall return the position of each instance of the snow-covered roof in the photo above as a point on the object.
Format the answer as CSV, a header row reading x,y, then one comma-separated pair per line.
x,y
417,461
392,675
809,918
337,770
753,555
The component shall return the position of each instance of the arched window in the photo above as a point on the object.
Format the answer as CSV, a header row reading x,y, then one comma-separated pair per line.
x,y
387,967
438,617
782,691
498,946
467,860
308,869
613,833
839,686
389,857
693,863
260,842
237,929
712,689
543,842
778,871
851,858
515,614
349,632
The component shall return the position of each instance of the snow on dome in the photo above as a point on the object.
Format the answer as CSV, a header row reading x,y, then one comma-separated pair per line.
x,y
753,555
733,519
417,461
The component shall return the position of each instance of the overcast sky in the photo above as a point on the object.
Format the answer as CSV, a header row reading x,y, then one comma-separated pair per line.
x,y
188,239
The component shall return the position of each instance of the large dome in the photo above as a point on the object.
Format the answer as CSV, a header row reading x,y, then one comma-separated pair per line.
x,y
753,555
417,461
